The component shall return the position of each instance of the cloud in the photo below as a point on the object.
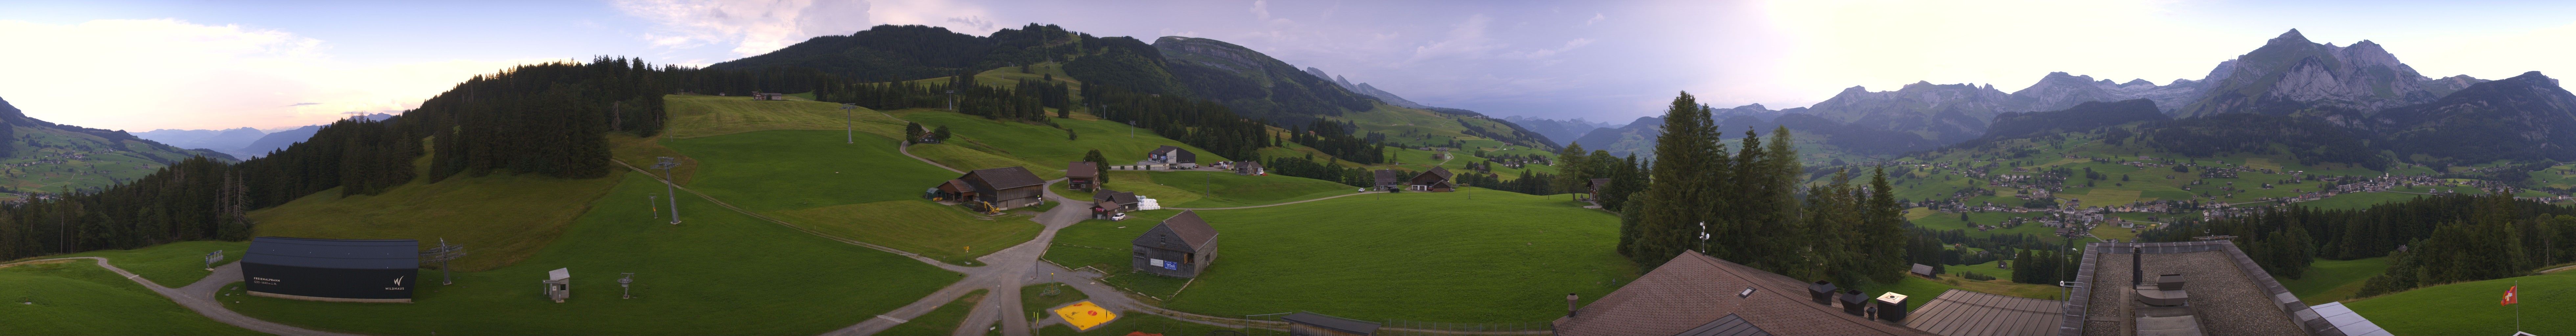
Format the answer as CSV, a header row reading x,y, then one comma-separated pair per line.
x,y
203,76
1261,9
751,28
1596,18
1548,53
1465,40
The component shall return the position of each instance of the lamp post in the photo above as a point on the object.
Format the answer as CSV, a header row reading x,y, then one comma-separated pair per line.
x,y
665,164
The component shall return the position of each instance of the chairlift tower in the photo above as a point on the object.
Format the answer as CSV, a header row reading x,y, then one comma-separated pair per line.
x,y
952,100
665,164
441,255
849,123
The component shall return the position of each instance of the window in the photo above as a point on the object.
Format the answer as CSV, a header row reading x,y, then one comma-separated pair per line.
x,y
1748,291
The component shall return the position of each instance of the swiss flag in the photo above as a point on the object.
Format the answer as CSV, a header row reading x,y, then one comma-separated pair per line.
x,y
2508,295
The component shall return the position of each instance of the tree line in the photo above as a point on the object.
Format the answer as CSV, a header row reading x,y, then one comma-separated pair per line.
x,y
2428,241
1748,202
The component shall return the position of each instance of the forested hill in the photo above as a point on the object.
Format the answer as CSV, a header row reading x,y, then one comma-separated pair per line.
x,y
1250,83
44,157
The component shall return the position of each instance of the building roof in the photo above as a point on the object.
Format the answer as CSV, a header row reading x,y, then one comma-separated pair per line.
x,y
559,274
1597,182
1114,196
1694,290
1334,323
1925,270
1386,177
996,179
1184,232
2350,322
1082,169
1247,165
2230,294
1730,325
334,253
1442,173
1965,313
1177,153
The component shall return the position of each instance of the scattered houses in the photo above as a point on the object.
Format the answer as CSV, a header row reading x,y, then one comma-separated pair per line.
x,y
768,96
1180,247
1082,175
1249,168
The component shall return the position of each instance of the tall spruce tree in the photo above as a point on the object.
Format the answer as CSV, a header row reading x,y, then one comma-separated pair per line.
x,y
1689,164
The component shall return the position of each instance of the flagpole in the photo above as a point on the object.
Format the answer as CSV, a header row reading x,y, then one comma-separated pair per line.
x,y
2517,309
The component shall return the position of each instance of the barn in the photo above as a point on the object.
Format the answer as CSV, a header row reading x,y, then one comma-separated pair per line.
x,y
1180,246
1004,188
341,270
1172,155
1082,175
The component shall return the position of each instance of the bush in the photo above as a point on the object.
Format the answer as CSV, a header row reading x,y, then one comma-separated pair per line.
x,y
1975,276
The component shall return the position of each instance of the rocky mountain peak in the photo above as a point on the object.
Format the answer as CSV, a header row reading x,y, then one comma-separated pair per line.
x,y
2138,81
2291,37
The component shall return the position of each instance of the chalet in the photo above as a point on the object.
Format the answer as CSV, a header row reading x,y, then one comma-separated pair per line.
x,y
1249,168
1117,201
768,96
1389,179
1434,180
1000,188
1082,175
1180,247
1172,155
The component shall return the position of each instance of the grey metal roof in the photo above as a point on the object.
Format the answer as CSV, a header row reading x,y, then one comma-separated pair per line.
x,y
1184,232
2350,322
996,179
334,253
1965,313
1330,322
1120,197
2231,292
1730,325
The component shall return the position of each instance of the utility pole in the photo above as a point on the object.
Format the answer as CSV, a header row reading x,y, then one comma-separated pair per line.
x,y
665,164
849,123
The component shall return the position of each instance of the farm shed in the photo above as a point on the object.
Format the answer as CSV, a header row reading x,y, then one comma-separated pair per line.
x,y
1181,246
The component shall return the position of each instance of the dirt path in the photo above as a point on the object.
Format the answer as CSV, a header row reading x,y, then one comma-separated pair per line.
x,y
906,149
200,297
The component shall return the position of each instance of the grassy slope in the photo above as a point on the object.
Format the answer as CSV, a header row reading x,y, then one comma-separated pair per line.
x,y
2334,280
699,116
1131,322
171,265
1046,146
1415,256
501,218
1034,302
48,166
864,191
2470,308
79,298
1184,189
720,273
939,321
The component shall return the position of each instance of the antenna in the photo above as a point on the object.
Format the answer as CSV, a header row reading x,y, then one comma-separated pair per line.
x,y
441,255
665,163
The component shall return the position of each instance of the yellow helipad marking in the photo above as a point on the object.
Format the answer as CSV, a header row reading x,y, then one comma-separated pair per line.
x,y
1084,315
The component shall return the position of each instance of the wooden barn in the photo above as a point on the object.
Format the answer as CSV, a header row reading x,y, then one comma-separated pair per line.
x,y
1082,175
1172,155
1004,188
1389,179
1181,246
1249,168
1108,202
1434,180
1595,185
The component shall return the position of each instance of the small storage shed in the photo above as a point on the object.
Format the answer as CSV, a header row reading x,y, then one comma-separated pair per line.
x,y
1081,175
559,284
1923,270
1312,324
1180,246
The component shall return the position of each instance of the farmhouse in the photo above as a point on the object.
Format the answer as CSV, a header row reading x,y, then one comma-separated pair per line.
x,y
1434,180
341,270
1172,155
1108,202
1389,179
1695,294
1180,246
999,188
1595,185
1082,175
768,96
1249,168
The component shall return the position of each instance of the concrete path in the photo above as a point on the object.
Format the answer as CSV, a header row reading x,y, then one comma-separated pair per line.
x,y
200,297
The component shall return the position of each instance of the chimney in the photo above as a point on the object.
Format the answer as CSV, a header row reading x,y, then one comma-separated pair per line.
x,y
2137,267
1569,304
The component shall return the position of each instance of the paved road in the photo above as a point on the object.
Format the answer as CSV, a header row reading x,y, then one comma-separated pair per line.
x,y
200,297
1004,273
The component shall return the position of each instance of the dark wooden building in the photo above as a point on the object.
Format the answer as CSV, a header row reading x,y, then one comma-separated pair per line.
x,y
1004,188
1172,155
1082,175
1249,168
1108,202
1389,179
1181,246
1312,324
1434,180
1595,185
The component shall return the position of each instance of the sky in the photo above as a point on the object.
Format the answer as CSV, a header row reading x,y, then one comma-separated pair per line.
x,y
142,65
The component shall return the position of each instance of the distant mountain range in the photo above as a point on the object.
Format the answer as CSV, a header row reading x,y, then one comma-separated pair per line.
x,y
239,142
1560,131
37,156
2361,87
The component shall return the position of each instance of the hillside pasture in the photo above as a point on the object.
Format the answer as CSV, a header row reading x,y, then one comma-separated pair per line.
x,y
2334,280
695,116
721,272
79,298
172,265
1217,189
1413,256
502,218
2470,308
